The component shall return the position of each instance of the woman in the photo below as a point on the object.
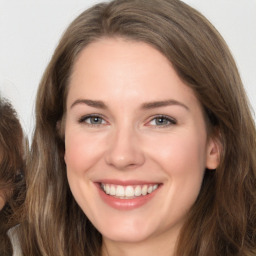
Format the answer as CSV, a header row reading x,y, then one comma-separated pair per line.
x,y
144,141
11,172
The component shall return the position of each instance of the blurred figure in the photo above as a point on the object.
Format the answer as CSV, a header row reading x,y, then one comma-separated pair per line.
x,y
12,184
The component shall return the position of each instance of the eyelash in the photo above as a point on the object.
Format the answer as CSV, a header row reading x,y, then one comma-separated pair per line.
x,y
170,121
83,119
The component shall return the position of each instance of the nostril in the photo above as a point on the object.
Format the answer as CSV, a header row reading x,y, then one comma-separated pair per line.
x,y
126,161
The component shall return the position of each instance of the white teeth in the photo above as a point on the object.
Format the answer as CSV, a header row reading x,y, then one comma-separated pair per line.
x,y
107,189
137,191
150,189
126,192
144,190
129,191
119,191
112,190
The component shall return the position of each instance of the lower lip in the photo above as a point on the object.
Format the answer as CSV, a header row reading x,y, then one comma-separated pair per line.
x,y
125,204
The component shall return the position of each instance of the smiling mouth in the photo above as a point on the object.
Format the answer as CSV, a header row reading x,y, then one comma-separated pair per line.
x,y
128,192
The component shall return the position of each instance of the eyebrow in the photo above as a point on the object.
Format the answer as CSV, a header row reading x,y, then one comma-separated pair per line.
x,y
148,105
91,103
164,103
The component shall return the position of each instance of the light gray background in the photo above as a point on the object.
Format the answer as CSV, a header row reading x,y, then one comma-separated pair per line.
x,y
30,30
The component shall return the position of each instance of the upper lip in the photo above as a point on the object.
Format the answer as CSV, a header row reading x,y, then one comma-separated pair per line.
x,y
126,182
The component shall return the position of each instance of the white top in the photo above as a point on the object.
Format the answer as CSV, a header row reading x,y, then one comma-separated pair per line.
x,y
12,233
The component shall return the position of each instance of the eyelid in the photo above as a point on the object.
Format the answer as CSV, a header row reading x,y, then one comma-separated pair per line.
x,y
171,120
84,117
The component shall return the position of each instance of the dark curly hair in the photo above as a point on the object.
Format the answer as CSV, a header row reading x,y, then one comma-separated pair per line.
x,y
12,185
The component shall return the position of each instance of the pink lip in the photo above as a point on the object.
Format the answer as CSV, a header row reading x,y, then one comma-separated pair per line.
x,y
125,204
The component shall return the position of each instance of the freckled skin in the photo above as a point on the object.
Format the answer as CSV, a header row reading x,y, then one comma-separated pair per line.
x,y
129,143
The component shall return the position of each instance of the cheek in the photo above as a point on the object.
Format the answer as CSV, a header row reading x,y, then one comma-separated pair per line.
x,y
180,152
81,150
185,166
80,155
73,152
190,153
182,158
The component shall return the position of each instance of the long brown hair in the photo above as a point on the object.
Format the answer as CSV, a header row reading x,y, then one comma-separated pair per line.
x,y
12,185
223,219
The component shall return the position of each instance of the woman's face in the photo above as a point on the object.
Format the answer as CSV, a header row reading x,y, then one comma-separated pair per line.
x,y
136,141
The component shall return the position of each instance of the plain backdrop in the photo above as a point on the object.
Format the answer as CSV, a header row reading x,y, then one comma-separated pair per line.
x,y
31,29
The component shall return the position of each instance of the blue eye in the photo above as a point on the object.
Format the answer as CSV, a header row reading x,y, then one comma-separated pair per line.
x,y
92,120
162,121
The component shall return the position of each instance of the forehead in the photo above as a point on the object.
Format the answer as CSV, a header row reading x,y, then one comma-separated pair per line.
x,y
126,69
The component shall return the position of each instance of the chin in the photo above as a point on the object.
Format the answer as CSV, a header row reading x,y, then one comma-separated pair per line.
x,y
127,234
125,237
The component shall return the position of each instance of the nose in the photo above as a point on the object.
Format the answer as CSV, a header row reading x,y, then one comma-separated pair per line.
x,y
124,150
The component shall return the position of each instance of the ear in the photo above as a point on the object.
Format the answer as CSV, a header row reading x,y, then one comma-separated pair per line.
x,y
213,153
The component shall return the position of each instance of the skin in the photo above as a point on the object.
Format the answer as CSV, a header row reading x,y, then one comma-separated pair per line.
x,y
128,141
2,201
